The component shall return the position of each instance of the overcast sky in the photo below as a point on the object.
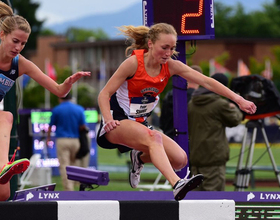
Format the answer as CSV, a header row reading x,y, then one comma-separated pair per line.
x,y
56,11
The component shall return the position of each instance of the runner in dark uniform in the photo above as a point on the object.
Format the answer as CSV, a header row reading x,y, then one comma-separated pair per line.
x,y
7,78
14,33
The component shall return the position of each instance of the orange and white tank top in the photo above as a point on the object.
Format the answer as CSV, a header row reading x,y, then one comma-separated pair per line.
x,y
138,95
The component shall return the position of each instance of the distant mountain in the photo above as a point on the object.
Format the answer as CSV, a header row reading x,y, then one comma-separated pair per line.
x,y
133,16
249,5
107,22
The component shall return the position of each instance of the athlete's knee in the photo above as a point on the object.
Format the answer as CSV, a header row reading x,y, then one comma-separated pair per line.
x,y
155,136
6,118
180,162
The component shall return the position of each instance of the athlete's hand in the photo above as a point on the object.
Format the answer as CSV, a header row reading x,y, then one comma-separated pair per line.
x,y
75,77
111,124
247,106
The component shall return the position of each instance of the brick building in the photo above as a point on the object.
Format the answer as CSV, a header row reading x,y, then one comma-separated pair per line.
x,y
88,55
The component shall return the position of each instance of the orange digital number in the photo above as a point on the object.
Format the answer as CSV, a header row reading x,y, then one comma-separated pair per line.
x,y
191,15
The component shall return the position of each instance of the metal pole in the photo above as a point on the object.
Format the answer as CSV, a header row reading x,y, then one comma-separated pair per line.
x,y
180,108
275,168
239,171
249,161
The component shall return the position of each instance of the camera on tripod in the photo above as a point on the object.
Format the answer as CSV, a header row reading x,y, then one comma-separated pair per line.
x,y
261,91
266,97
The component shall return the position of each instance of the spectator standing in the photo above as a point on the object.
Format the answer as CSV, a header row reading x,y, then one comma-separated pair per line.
x,y
69,119
208,116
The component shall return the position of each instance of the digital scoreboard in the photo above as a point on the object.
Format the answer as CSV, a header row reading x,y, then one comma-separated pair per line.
x,y
192,19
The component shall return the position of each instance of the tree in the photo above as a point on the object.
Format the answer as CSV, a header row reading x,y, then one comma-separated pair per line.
x,y
234,22
47,32
27,9
34,93
277,2
231,22
79,34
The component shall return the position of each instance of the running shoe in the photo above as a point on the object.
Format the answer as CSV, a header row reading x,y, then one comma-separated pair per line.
x,y
185,185
136,168
13,167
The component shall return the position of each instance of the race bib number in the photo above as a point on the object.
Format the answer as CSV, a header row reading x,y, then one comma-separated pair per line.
x,y
5,84
142,106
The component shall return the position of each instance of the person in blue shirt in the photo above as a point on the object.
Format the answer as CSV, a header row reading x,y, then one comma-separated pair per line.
x,y
14,34
69,119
